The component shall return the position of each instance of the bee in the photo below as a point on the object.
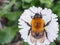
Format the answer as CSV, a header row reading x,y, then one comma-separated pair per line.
x,y
37,28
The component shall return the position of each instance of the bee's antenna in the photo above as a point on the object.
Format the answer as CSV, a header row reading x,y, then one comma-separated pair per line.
x,y
40,15
31,11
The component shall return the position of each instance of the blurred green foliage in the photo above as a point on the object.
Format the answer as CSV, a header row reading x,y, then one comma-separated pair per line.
x,y
14,9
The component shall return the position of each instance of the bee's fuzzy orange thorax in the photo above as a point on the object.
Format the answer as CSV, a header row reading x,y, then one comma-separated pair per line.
x,y
37,24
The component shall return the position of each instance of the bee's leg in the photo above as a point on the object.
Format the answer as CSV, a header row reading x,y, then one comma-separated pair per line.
x,y
29,31
47,23
26,23
46,35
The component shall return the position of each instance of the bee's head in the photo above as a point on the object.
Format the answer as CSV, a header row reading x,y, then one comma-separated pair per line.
x,y
37,15
37,35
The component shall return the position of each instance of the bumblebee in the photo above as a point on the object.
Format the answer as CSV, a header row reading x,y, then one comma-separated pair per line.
x,y
37,28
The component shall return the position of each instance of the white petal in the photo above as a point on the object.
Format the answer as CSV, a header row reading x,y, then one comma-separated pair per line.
x,y
24,34
44,11
39,10
34,9
23,24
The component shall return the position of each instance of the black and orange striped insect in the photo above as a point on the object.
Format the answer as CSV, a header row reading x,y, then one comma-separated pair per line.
x,y
37,27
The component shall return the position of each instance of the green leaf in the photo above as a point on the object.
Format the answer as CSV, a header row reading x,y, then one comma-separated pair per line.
x,y
48,3
58,38
24,43
18,4
13,1
25,5
28,1
13,15
1,13
56,9
52,43
7,34
6,8
35,3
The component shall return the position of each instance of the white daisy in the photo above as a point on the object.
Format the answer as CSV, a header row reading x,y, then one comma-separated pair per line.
x,y
51,29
